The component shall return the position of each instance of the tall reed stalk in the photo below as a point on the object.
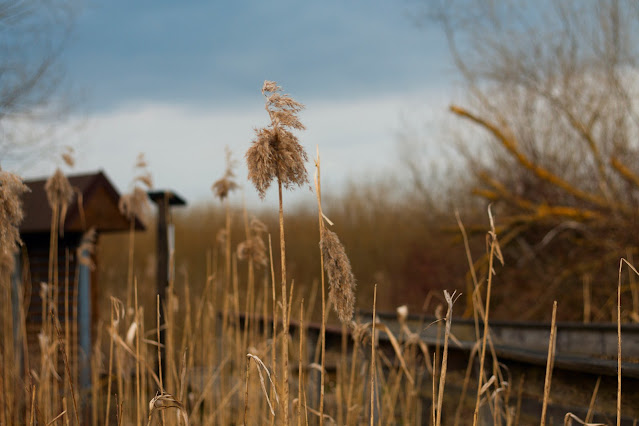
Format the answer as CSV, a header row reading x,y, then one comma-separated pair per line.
x,y
549,363
373,369
277,155
318,192
494,250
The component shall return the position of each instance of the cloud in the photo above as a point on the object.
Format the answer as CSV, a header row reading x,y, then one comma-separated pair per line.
x,y
184,146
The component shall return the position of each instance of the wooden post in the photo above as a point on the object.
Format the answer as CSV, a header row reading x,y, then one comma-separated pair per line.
x,y
163,199
162,270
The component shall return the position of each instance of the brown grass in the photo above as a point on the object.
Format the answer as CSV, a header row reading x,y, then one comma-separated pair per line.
x,y
220,317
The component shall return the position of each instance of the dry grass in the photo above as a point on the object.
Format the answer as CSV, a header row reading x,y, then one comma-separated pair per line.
x,y
223,314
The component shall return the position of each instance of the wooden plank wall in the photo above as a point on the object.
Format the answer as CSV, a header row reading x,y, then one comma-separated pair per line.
x,y
38,252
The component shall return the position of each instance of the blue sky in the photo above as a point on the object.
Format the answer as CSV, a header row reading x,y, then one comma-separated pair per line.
x,y
218,53
180,80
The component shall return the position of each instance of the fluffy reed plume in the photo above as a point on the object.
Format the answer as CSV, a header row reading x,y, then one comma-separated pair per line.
x,y
67,156
58,189
254,247
59,194
222,187
341,282
11,188
276,152
134,204
143,175
402,313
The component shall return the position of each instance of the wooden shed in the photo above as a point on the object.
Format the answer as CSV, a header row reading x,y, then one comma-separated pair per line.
x,y
94,205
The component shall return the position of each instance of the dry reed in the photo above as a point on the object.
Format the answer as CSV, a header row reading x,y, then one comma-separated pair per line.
x,y
215,393
277,154
493,251
450,300
223,186
593,400
11,189
373,370
549,363
341,280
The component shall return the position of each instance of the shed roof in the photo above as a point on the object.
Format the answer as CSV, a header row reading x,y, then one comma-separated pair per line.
x,y
99,206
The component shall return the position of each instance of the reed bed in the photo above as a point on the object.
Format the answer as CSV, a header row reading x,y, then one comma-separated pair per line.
x,y
228,349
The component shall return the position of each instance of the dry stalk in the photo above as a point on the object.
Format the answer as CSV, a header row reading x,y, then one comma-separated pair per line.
x,y
208,386
397,349
56,418
163,401
33,404
569,417
593,399
357,333
434,393
114,311
277,154
318,192
469,368
494,251
274,337
138,394
450,299
549,363
66,366
340,376
300,389
246,391
284,308
470,303
321,416
373,370
520,391
621,262
260,365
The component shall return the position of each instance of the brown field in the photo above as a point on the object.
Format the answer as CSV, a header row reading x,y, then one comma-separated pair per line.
x,y
245,292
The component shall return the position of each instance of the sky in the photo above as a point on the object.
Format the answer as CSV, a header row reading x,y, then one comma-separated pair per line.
x,y
179,81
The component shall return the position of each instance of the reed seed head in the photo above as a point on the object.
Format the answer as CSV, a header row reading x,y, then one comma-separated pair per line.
x,y
276,152
59,194
11,189
221,237
134,204
254,248
143,175
402,313
341,281
67,156
222,187
59,190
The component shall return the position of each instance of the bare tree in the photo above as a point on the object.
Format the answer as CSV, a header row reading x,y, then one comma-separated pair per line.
x,y
553,88
32,89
